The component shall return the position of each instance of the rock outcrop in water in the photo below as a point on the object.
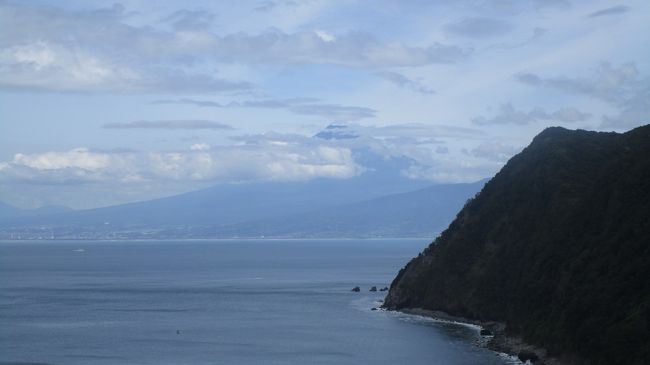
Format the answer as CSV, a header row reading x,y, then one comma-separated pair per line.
x,y
556,246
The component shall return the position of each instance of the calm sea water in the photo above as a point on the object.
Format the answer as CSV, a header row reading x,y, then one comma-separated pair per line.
x,y
216,302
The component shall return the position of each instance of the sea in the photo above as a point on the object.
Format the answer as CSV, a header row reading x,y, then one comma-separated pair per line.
x,y
217,302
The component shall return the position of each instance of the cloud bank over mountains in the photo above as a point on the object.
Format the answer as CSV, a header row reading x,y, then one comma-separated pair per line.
x,y
336,152
272,160
272,156
106,104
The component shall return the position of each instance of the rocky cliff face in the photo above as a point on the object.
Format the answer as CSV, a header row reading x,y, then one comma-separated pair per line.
x,y
556,246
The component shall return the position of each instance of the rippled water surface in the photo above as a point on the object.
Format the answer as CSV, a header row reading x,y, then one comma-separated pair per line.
x,y
216,302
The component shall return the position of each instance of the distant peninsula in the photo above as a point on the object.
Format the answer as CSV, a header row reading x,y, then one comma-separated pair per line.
x,y
553,254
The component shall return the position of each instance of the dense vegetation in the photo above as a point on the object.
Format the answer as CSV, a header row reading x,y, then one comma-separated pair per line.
x,y
556,245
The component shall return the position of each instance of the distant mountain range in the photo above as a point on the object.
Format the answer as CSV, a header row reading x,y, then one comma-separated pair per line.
x,y
366,206
556,247
9,211
420,213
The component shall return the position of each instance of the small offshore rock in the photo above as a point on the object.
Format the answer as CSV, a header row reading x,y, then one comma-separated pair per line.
x,y
384,289
374,288
356,289
373,309
485,332
527,356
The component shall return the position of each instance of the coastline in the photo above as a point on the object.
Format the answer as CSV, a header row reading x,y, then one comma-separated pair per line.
x,y
498,341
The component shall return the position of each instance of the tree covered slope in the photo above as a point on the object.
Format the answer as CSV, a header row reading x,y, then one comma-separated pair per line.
x,y
556,245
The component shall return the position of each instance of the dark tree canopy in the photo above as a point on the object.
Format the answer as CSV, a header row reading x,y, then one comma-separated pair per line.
x,y
556,245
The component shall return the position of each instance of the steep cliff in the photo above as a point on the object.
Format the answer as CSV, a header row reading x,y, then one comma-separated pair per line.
x,y
556,246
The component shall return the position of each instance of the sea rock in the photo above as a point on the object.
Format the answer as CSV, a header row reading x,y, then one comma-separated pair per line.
x,y
527,356
485,332
374,288
373,309
384,289
356,289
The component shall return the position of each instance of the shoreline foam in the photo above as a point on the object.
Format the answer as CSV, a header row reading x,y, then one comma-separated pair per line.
x,y
498,342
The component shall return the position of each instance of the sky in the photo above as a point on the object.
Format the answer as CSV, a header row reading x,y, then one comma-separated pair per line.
x,y
104,103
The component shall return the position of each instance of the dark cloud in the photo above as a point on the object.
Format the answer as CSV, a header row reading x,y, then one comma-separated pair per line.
x,y
353,49
442,150
202,103
621,87
537,34
507,114
265,6
404,82
633,112
607,82
300,106
552,4
614,10
168,124
190,19
334,111
336,131
528,78
265,103
478,27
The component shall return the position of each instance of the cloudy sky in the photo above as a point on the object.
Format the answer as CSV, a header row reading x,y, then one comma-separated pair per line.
x,y
103,103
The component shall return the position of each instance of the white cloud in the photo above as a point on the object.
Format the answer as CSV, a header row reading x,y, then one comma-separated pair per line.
x,y
266,161
78,158
43,65
46,66
421,150
200,147
507,114
327,37
452,171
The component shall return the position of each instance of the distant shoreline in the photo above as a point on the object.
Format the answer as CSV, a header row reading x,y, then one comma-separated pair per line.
x,y
499,341
218,239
